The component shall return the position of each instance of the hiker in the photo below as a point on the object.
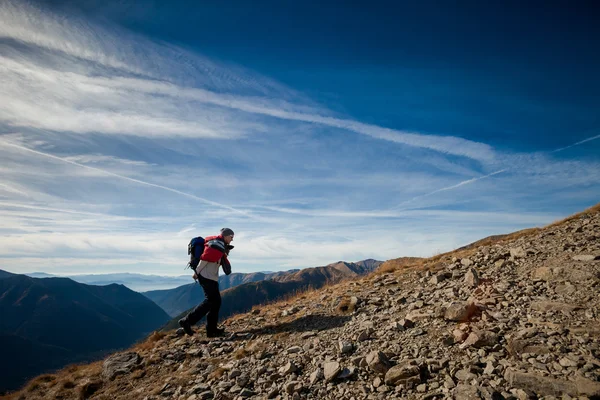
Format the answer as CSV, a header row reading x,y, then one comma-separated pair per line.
x,y
216,249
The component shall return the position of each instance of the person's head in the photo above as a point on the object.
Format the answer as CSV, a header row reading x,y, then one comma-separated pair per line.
x,y
227,235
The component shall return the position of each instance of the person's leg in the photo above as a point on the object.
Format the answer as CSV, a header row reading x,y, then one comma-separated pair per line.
x,y
201,309
212,317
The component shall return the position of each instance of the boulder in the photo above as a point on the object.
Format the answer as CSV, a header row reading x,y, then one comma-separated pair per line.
x,y
120,364
402,374
378,362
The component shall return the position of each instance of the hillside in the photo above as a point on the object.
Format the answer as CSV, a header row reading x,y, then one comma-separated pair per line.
x,y
5,274
516,318
61,321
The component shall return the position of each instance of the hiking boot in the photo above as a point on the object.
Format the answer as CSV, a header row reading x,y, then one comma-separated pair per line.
x,y
187,328
217,332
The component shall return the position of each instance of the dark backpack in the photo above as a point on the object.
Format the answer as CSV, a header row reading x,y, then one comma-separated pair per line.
x,y
195,250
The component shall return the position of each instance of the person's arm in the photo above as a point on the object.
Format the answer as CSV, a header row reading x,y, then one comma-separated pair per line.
x,y
226,265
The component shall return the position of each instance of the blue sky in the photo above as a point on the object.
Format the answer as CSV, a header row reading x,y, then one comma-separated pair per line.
x,y
317,132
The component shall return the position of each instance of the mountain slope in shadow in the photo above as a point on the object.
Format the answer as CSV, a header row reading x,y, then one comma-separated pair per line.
x,y
62,321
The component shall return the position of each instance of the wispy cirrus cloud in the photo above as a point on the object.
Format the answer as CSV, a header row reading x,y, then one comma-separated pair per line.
x,y
116,148
138,91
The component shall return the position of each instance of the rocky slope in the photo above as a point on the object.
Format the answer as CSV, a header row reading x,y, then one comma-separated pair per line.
x,y
517,318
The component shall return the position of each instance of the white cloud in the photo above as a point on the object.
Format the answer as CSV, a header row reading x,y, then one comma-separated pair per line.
x,y
137,101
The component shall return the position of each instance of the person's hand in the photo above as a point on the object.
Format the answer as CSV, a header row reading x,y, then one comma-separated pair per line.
x,y
195,276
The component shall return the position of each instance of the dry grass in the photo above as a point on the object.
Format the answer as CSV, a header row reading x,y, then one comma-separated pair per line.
x,y
150,342
345,306
240,353
591,210
217,373
88,389
66,383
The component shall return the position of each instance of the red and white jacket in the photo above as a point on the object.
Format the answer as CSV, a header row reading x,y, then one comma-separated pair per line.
x,y
214,255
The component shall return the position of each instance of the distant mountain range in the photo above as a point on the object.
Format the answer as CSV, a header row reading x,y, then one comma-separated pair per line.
x,y
137,282
175,301
243,297
49,323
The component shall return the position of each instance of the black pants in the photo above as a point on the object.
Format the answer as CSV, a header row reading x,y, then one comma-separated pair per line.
x,y
209,307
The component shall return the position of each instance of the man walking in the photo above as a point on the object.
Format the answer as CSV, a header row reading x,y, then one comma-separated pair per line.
x,y
216,249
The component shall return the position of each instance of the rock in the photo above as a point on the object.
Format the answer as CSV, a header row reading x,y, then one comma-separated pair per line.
x,y
378,362
440,277
246,393
206,395
459,311
307,335
402,374
517,252
273,393
551,386
545,306
586,257
294,349
316,376
472,278
288,368
464,375
291,387
567,362
331,370
406,323
466,392
586,387
242,380
499,263
120,364
459,335
364,335
200,388
449,383
347,373
358,361
480,339
466,262
345,347
234,373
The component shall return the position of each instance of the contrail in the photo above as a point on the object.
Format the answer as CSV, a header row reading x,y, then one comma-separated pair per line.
x,y
12,189
168,189
65,211
577,144
469,181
